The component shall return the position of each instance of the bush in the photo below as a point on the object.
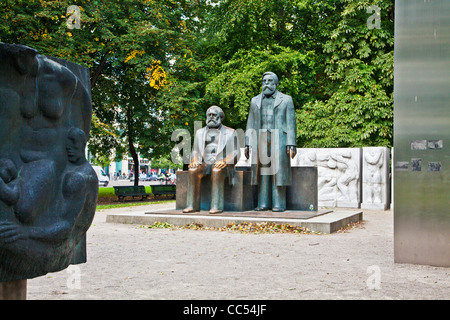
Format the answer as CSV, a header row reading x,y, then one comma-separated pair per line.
x,y
108,192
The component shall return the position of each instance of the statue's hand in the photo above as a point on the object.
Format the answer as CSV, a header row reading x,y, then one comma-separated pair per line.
x,y
220,164
194,165
247,152
291,151
10,232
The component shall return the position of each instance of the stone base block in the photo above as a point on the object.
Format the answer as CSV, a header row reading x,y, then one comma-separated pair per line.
x,y
375,206
323,222
303,193
241,196
238,197
346,204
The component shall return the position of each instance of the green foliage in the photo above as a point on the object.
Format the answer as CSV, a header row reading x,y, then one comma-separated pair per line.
x,y
338,71
128,204
240,79
102,161
358,110
157,65
129,45
164,163
106,192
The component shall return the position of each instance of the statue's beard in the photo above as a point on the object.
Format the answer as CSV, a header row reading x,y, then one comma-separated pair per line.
x,y
268,91
212,124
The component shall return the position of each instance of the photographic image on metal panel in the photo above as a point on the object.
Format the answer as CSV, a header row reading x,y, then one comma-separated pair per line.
x,y
435,144
401,166
416,164
419,145
434,166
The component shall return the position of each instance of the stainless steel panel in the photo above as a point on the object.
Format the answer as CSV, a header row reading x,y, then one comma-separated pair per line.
x,y
422,132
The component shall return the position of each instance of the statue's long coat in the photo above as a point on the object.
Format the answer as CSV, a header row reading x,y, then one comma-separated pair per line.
x,y
284,134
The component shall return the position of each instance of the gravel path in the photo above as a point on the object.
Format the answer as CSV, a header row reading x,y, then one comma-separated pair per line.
x,y
132,262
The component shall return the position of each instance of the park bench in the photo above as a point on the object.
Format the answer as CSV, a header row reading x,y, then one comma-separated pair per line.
x,y
131,191
169,189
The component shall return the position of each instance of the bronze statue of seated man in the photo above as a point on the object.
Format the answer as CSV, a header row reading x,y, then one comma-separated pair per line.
x,y
215,153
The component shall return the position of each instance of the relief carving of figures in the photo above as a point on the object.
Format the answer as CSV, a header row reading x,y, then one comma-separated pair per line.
x,y
348,176
374,162
327,178
375,186
338,174
48,191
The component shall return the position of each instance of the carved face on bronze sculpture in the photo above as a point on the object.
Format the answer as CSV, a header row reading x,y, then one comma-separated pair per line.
x,y
76,144
48,191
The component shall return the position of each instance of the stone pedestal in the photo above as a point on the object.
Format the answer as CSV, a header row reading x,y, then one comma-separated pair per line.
x,y
241,196
13,290
238,196
302,195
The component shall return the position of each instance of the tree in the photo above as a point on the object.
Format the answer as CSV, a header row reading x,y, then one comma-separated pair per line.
x,y
156,66
127,44
338,70
357,109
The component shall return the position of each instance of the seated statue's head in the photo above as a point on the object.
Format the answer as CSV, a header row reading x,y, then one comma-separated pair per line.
x,y
214,117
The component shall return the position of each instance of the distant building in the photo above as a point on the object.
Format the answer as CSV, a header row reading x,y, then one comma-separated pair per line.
x,y
127,166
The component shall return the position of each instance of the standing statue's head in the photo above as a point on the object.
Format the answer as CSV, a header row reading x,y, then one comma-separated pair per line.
x,y
269,83
214,117
76,145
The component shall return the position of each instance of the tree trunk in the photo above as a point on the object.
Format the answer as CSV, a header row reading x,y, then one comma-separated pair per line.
x,y
131,147
99,69
135,159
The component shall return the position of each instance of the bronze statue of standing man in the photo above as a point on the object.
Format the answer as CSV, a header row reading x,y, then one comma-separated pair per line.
x,y
271,137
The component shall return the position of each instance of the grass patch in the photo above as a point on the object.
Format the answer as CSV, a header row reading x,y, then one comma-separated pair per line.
x,y
109,191
107,196
104,192
129,204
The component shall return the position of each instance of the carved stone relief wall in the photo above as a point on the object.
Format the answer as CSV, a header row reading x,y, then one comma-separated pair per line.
x,y
347,177
339,174
375,181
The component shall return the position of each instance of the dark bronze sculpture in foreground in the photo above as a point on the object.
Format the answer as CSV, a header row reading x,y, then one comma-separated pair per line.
x,y
48,192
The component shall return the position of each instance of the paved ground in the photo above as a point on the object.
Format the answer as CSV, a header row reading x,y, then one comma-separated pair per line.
x,y
132,262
